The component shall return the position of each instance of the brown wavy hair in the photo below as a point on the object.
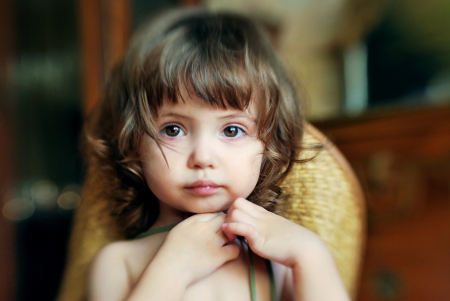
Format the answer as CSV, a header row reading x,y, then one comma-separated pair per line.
x,y
225,59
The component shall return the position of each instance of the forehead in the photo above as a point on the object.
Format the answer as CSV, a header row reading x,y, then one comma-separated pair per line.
x,y
188,101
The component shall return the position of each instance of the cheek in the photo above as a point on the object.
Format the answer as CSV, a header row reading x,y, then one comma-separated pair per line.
x,y
257,163
158,178
153,163
252,163
258,158
249,178
256,166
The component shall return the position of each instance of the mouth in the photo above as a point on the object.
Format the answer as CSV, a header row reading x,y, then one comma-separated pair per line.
x,y
202,187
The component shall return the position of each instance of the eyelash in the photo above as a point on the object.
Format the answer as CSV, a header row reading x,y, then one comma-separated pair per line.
x,y
166,127
240,130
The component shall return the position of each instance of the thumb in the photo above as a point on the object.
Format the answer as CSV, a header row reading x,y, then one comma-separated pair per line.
x,y
230,252
226,230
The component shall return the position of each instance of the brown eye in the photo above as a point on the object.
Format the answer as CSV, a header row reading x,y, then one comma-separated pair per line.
x,y
172,130
233,131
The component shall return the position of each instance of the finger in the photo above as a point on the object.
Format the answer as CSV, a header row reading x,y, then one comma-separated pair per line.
x,y
216,224
241,204
217,221
239,215
230,236
247,206
230,252
240,229
221,238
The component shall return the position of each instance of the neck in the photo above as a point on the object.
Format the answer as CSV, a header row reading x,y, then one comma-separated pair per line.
x,y
168,216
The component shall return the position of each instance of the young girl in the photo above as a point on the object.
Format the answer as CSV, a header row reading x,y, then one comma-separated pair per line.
x,y
199,126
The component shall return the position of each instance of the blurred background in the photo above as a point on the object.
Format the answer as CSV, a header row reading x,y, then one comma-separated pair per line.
x,y
376,74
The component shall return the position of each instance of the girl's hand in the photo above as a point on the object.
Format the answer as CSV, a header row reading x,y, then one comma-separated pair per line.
x,y
197,247
192,250
268,235
313,275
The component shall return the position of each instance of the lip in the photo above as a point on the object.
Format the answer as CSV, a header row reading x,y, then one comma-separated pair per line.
x,y
203,187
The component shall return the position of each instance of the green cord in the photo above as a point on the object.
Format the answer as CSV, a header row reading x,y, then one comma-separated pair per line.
x,y
273,292
155,231
252,275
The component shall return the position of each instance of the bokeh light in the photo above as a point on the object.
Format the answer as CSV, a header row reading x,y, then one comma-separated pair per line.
x,y
18,209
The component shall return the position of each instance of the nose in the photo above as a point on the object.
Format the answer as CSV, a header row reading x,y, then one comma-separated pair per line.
x,y
202,154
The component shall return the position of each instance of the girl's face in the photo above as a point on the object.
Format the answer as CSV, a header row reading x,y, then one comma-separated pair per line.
x,y
213,156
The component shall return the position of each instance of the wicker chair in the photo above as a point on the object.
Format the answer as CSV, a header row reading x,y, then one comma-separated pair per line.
x,y
325,197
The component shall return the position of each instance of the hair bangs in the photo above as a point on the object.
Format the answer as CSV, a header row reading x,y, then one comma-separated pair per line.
x,y
214,66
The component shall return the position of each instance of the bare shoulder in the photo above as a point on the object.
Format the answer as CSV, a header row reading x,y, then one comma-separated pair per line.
x,y
108,277
118,265
127,254
111,259
112,253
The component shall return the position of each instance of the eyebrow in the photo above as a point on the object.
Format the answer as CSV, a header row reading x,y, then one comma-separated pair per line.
x,y
234,115
239,115
169,114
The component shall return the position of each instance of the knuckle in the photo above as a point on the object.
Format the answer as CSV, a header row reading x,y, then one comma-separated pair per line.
x,y
239,201
231,215
251,231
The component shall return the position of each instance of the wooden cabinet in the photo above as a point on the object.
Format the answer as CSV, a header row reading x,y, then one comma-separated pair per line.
x,y
7,147
402,159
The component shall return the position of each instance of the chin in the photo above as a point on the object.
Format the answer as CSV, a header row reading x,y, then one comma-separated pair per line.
x,y
211,204
210,209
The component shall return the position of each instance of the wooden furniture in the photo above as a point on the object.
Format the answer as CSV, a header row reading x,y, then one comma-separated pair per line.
x,y
105,28
104,33
402,159
7,155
